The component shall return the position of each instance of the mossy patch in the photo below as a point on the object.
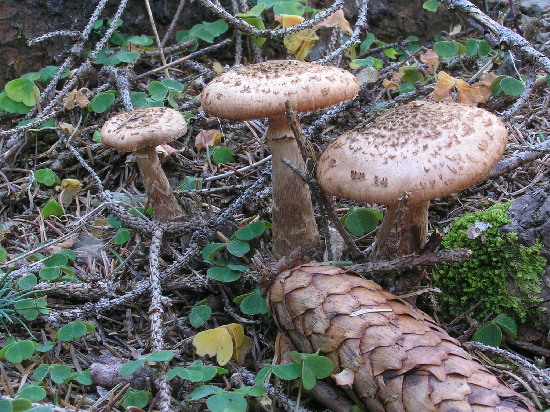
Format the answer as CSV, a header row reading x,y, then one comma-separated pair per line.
x,y
502,274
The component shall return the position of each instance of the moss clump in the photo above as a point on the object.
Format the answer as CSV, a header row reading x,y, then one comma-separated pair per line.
x,y
502,274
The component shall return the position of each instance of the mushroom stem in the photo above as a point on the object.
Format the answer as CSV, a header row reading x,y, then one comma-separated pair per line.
x,y
159,192
292,214
403,231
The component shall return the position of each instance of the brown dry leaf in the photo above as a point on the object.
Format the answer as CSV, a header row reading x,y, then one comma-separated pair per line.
x,y
472,94
208,138
81,100
443,87
66,128
432,59
336,19
68,101
97,228
61,246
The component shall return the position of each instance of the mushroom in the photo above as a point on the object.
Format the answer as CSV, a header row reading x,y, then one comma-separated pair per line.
x,y
261,90
426,150
140,131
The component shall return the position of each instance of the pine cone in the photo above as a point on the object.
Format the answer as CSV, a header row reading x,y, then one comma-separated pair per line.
x,y
394,357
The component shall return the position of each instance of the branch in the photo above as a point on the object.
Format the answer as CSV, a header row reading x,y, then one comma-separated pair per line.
x,y
410,261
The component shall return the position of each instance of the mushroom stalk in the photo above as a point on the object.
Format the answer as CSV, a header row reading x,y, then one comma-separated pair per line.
x,y
157,187
402,232
293,218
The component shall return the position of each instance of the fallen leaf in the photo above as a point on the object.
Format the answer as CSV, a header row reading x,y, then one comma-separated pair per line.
x,y
214,342
225,342
68,101
69,189
81,100
66,128
472,94
300,43
208,138
443,87
432,59
288,20
336,19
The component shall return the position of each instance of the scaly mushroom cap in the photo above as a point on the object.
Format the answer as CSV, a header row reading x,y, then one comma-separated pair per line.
x,y
426,149
129,131
261,90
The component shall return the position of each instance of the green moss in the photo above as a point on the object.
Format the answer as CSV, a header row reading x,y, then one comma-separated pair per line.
x,y
502,274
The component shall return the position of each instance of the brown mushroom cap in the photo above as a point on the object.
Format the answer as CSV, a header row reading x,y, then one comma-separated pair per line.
x,y
261,90
129,131
426,149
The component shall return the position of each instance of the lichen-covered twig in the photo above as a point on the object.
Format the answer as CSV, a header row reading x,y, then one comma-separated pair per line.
x,y
353,39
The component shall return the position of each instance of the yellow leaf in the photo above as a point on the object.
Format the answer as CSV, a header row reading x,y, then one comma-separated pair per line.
x,y
288,20
237,333
214,342
69,189
300,43
432,59
442,90
208,138
336,19
240,352
217,67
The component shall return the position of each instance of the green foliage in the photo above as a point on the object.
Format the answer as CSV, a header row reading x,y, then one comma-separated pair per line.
x,y
203,31
502,274
136,399
307,366
446,49
509,86
361,220
225,270
56,267
196,372
52,208
431,5
285,6
46,177
220,154
491,333
74,330
129,368
190,183
252,303
199,315
220,400
102,101
16,300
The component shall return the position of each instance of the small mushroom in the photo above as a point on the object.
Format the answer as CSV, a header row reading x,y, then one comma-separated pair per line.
x,y
261,90
426,150
140,131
